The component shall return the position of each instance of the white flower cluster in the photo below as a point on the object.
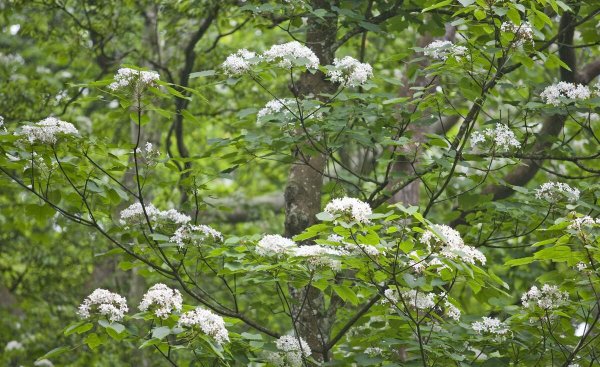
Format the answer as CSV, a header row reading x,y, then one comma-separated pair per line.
x,y
502,137
356,210
319,256
556,94
274,245
352,248
239,62
452,311
11,59
108,304
292,53
349,71
585,221
285,55
48,130
581,266
441,50
361,249
419,300
523,33
374,351
413,298
13,345
190,234
278,106
554,191
134,214
548,298
291,352
210,323
452,244
490,325
148,152
164,300
126,77
348,248
390,295
419,263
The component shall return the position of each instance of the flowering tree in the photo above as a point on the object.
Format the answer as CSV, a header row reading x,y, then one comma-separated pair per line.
x,y
431,166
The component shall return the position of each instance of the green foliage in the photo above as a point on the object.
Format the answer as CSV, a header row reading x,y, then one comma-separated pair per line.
x,y
483,266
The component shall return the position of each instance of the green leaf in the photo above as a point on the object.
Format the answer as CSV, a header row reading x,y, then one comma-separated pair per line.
x,y
79,328
202,74
345,293
438,5
556,253
249,336
514,16
117,327
544,242
521,261
149,343
370,26
161,332
325,217
93,341
54,353
480,14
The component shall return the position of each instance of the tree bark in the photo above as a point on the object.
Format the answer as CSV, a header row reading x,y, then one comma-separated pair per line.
x,y
305,181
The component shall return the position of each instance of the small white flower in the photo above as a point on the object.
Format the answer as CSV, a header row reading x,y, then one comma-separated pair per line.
x,y
162,299
274,245
565,92
357,210
210,323
13,345
390,295
523,32
579,223
554,191
419,300
292,54
319,256
48,130
196,235
441,50
477,138
239,62
284,106
502,137
452,244
490,325
581,266
374,351
452,311
291,351
107,304
137,79
134,214
548,298
349,71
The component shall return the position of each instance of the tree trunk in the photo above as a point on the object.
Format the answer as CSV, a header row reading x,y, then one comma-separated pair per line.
x,y
305,181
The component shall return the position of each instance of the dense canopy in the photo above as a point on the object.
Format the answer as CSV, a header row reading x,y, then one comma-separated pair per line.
x,y
299,183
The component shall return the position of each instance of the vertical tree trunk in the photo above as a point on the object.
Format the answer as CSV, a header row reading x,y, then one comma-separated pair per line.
x,y
305,181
